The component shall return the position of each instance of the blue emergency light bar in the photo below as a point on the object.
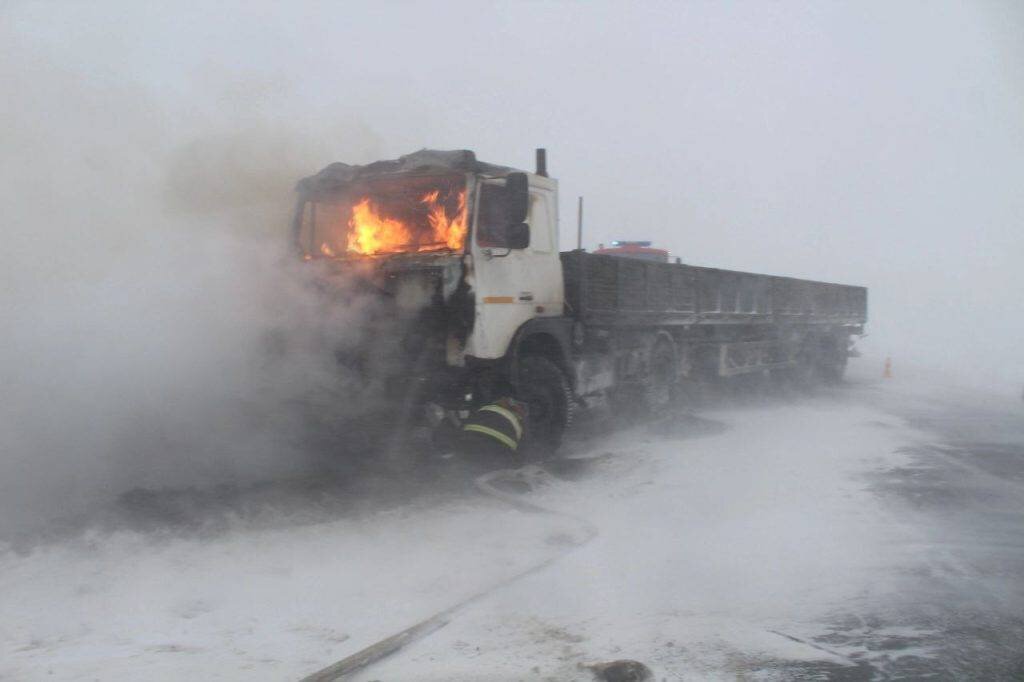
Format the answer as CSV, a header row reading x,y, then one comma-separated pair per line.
x,y
625,243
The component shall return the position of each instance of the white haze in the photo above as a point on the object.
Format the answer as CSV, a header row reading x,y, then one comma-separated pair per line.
x,y
149,154
158,331
859,142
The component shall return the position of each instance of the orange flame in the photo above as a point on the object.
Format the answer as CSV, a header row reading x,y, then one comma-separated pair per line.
x,y
372,233
448,231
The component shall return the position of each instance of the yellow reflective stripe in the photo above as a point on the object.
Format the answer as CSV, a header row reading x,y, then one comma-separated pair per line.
x,y
507,414
492,433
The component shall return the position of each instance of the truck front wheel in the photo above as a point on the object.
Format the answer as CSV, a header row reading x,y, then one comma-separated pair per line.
x,y
545,390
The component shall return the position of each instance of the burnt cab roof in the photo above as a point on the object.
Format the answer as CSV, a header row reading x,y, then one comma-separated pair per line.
x,y
338,175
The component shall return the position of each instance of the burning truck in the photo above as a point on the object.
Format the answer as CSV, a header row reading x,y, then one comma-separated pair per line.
x,y
461,257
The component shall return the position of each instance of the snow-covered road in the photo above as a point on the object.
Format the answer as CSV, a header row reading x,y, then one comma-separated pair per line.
x,y
851,535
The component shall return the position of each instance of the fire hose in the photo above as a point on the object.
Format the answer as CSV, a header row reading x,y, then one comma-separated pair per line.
x,y
531,475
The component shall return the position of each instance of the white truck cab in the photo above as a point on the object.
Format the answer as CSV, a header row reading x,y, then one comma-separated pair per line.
x,y
514,282
464,256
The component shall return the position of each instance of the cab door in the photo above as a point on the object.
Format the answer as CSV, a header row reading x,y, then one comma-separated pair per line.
x,y
513,285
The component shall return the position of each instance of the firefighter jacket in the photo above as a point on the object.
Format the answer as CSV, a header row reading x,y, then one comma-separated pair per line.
x,y
501,421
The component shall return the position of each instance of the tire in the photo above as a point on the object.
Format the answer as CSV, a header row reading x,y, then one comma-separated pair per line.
x,y
661,388
832,372
545,390
832,360
805,374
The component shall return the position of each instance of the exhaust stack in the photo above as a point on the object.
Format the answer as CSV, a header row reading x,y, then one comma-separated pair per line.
x,y
542,163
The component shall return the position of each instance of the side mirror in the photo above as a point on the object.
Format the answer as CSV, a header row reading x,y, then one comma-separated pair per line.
x,y
517,187
517,236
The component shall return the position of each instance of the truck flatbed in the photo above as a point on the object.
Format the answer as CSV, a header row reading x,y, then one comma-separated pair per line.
x,y
614,291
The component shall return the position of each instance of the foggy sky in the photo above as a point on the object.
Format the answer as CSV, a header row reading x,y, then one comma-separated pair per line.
x,y
872,143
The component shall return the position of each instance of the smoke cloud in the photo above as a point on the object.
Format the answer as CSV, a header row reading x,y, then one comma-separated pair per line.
x,y
158,332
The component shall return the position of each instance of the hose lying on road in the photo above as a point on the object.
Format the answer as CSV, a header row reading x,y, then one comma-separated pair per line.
x,y
530,475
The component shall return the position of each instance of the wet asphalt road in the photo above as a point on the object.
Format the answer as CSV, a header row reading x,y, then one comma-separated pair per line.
x,y
958,610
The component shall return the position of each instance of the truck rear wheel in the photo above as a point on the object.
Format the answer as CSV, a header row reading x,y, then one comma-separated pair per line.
x,y
832,372
545,390
832,359
661,387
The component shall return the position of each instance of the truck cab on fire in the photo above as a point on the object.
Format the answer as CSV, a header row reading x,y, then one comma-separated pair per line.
x,y
463,259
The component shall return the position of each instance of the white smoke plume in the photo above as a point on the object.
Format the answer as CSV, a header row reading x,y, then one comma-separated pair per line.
x,y
157,329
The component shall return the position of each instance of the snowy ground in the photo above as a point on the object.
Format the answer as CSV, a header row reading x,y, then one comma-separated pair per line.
x,y
872,531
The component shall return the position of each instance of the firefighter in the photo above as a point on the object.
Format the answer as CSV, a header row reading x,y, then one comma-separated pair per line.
x,y
490,435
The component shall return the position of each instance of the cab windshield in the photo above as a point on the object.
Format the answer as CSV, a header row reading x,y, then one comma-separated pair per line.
x,y
387,216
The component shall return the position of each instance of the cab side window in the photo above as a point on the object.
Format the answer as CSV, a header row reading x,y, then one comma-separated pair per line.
x,y
492,216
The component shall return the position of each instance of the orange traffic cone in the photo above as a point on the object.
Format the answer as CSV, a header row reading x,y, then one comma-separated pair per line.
x,y
887,374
